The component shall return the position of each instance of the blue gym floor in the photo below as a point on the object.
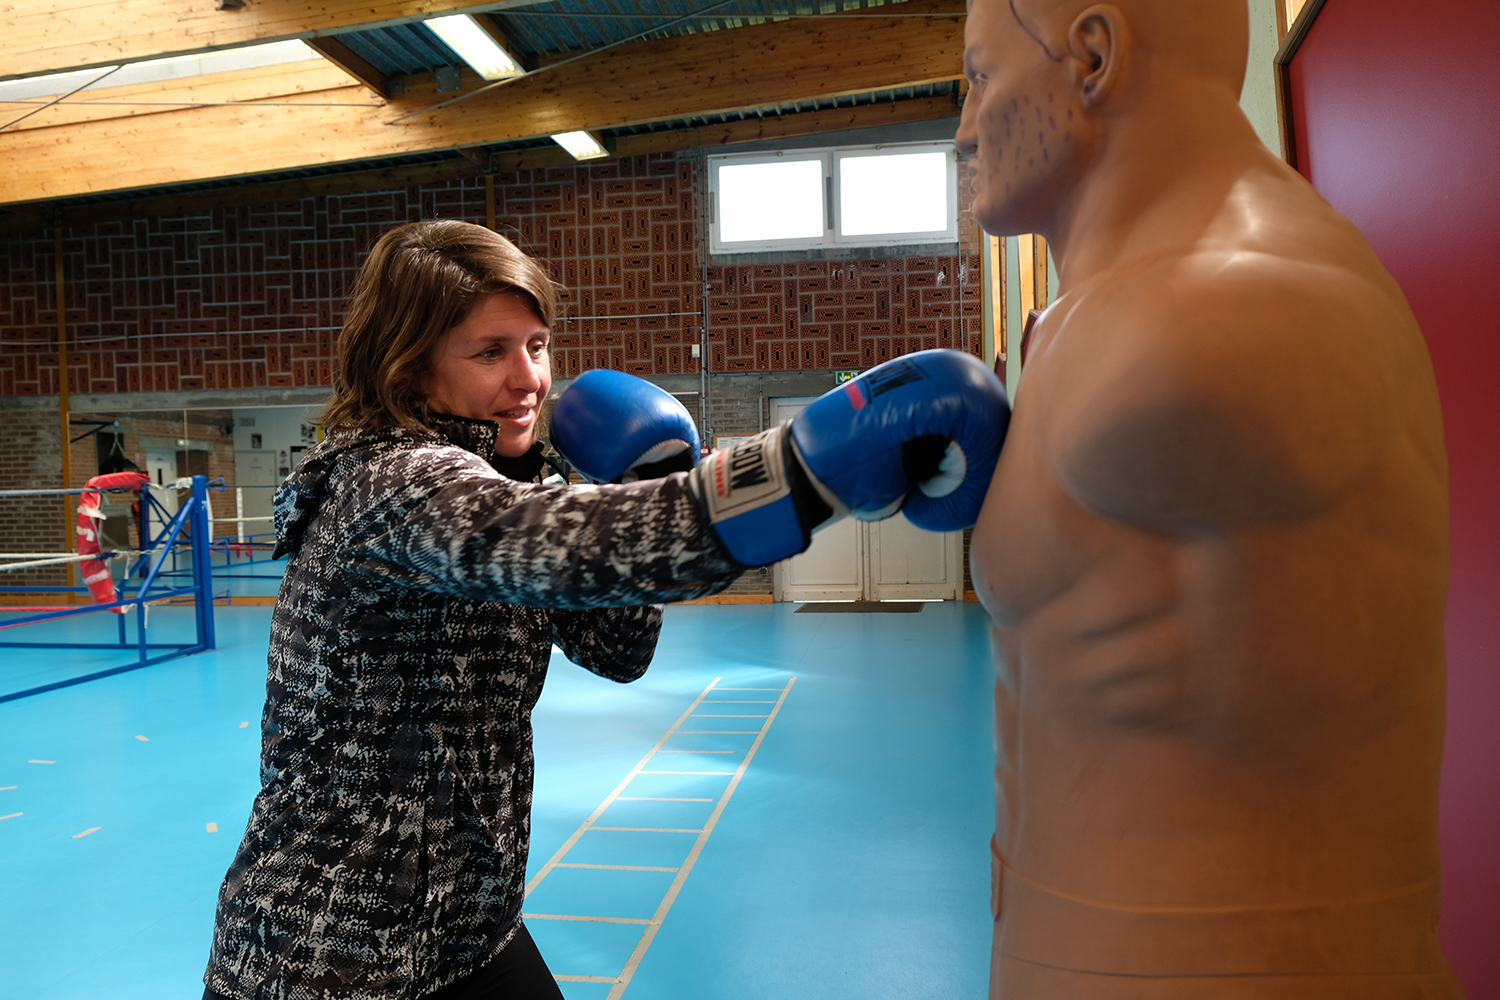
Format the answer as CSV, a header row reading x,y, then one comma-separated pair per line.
x,y
846,857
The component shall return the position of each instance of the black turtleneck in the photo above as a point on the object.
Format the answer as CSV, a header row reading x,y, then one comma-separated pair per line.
x,y
524,468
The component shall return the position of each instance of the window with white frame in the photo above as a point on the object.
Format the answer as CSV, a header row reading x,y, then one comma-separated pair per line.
x,y
841,197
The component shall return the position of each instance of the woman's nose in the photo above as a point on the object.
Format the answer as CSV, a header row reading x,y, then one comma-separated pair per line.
x,y
521,373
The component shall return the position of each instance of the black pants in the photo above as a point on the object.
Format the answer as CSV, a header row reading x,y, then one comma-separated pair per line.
x,y
517,973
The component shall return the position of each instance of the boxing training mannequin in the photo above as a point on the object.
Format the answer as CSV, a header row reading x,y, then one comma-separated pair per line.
x,y
1214,549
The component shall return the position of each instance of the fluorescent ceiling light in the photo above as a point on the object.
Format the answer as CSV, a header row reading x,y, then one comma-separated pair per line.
x,y
474,46
581,145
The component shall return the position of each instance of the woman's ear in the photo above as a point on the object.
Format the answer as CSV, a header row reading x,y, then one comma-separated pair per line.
x,y
1097,42
408,385
406,376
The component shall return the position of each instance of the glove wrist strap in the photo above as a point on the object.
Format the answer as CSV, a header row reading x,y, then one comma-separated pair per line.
x,y
759,498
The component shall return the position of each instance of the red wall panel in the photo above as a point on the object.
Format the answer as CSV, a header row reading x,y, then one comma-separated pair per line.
x,y
1398,126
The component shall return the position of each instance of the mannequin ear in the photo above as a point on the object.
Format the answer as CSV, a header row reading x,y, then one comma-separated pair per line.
x,y
1097,41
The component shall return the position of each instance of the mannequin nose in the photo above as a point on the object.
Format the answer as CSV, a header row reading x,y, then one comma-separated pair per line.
x,y
966,139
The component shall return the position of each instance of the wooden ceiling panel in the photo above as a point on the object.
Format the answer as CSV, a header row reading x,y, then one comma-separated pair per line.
x,y
53,36
681,77
291,81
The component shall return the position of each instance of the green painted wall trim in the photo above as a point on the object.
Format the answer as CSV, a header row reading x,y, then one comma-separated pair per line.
x,y
1258,97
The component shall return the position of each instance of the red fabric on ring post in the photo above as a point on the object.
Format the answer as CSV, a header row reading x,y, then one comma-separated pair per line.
x,y
96,571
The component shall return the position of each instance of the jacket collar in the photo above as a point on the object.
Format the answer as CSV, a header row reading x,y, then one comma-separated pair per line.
x,y
474,435
479,437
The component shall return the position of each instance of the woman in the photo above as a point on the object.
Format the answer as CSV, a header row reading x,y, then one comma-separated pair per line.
x,y
385,855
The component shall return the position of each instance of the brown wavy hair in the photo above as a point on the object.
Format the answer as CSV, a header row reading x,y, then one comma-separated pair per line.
x,y
419,282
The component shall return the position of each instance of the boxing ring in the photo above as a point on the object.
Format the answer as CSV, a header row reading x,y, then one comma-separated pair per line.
x,y
146,583
243,545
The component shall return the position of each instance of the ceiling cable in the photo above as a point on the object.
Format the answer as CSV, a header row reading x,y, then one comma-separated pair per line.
x,y
64,97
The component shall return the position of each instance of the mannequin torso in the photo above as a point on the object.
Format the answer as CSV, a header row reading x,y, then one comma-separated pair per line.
x,y
1214,553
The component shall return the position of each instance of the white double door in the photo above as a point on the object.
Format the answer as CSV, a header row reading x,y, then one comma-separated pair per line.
x,y
869,560
255,471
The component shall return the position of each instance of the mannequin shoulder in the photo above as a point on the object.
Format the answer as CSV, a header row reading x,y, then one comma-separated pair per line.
x,y
1221,386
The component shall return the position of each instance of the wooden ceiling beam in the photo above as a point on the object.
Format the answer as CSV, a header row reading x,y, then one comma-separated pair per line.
x,y
345,59
34,217
681,77
477,155
54,36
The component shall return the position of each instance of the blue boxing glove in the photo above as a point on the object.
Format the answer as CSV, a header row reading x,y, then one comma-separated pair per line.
x,y
920,433
616,428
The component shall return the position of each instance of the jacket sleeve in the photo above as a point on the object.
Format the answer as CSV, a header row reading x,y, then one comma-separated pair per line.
x,y
617,643
441,519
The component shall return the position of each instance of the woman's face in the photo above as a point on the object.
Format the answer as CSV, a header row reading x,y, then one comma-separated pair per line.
x,y
494,366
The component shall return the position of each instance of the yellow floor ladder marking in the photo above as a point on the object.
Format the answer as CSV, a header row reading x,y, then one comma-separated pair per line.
x,y
652,925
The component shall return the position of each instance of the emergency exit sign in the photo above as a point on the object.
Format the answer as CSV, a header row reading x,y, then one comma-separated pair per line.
x,y
839,378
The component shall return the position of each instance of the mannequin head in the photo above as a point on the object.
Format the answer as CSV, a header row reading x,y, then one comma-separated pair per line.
x,y
1053,82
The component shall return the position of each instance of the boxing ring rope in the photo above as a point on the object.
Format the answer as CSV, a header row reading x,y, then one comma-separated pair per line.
x,y
239,544
41,559
245,544
189,526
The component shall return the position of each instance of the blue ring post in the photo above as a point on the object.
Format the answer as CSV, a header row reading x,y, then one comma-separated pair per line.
x,y
203,574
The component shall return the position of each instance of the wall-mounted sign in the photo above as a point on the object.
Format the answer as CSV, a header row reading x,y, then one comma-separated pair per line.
x,y
839,378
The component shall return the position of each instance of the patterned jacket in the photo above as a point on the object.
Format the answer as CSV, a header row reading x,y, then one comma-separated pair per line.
x,y
385,854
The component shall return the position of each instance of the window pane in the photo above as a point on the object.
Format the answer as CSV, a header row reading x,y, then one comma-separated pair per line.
x,y
896,193
770,201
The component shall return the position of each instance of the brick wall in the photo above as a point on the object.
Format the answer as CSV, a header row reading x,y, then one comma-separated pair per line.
x,y
31,458
251,296
839,314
